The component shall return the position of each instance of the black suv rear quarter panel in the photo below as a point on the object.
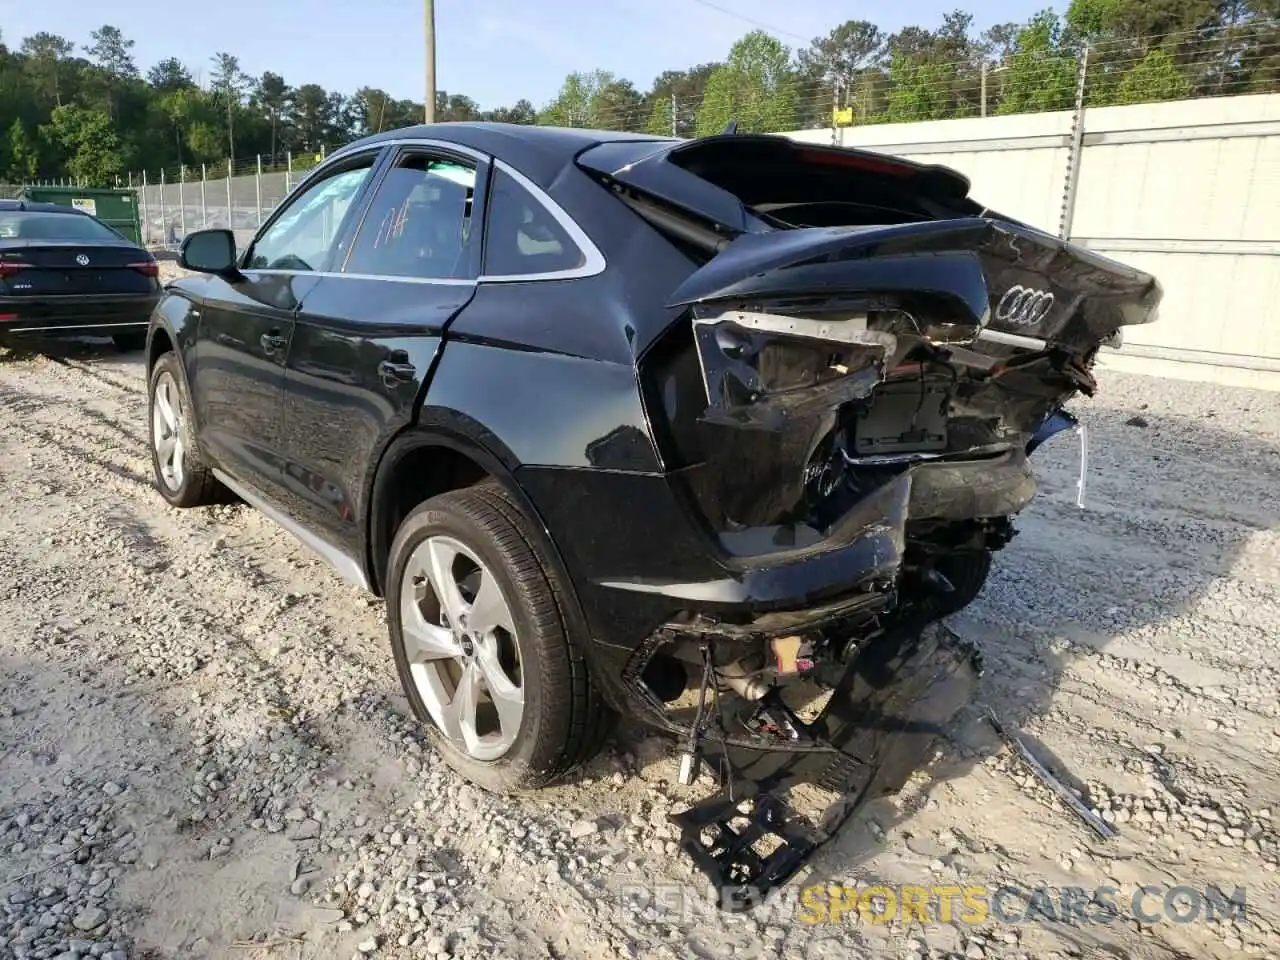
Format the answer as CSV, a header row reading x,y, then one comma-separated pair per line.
x,y
549,368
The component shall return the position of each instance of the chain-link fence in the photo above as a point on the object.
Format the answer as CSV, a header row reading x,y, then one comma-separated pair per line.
x,y
171,210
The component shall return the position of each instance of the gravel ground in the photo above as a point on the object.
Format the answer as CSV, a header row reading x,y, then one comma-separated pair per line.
x,y
204,751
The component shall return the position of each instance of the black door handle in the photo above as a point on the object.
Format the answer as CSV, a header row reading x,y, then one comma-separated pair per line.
x,y
271,342
393,373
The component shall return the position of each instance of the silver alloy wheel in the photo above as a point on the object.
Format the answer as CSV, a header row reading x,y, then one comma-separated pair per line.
x,y
167,430
460,642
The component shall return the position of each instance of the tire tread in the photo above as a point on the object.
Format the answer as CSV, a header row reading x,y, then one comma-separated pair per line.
x,y
201,487
587,721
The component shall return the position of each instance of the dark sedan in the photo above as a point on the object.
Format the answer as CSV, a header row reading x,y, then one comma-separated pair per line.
x,y
65,273
709,433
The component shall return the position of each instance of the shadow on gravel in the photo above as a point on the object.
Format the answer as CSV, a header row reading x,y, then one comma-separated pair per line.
x,y
1171,507
71,440
59,349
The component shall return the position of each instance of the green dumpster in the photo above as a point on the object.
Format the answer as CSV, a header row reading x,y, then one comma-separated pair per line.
x,y
117,208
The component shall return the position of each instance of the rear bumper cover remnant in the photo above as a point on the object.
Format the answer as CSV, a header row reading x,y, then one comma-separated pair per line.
x,y
886,712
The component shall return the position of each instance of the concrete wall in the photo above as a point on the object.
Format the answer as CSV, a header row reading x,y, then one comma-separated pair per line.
x,y
1189,191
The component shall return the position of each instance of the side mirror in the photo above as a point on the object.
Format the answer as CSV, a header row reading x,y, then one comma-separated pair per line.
x,y
209,251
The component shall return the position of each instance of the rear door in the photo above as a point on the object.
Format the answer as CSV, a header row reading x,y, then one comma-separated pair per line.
x,y
367,337
246,324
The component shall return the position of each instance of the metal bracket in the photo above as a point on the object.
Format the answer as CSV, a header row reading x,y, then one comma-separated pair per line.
x,y
1082,432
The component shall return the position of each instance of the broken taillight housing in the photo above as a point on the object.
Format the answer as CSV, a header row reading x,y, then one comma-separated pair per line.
x,y
765,368
932,325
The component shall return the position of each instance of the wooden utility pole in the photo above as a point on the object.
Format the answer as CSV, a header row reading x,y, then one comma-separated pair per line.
x,y
429,16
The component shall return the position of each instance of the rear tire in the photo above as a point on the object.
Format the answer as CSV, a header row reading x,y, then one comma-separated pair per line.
x,y
130,341
506,641
177,469
968,571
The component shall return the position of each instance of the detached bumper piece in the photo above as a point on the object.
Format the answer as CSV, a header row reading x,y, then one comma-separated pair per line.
x,y
879,726
730,860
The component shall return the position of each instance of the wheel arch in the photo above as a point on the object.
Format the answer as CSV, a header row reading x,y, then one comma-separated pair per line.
x,y
457,451
173,328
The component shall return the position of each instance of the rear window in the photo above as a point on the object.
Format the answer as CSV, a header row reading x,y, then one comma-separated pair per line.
x,y
803,185
33,225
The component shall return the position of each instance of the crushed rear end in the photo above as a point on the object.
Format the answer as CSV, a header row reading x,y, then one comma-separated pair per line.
x,y
863,361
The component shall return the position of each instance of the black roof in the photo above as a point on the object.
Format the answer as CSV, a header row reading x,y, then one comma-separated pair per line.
x,y
38,206
538,152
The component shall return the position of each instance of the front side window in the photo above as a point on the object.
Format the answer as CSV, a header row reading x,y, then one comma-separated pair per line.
x,y
302,236
523,237
419,222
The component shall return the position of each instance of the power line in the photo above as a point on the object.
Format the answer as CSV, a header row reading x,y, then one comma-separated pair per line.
x,y
755,23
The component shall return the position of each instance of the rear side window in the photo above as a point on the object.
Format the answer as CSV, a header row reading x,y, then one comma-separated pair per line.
x,y
419,222
523,238
28,225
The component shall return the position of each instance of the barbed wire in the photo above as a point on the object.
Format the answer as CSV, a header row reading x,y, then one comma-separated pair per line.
x,y
1192,63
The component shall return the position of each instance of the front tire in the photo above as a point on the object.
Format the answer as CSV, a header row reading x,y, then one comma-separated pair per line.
x,y
481,644
177,469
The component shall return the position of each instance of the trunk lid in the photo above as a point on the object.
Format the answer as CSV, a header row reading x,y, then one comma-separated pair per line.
x,y
74,268
978,281
811,363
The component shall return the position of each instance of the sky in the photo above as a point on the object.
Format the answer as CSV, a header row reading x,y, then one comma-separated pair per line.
x,y
494,51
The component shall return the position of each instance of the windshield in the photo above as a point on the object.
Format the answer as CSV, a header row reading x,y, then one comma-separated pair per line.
x,y
33,225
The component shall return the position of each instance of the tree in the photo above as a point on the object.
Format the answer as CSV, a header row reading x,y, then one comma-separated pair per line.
x,y
832,66
837,58
522,112
918,90
998,42
681,90
23,155
756,87
454,106
89,137
1154,77
273,97
110,54
45,53
181,108
110,51
582,101
660,119
230,84
315,115
619,106
170,74
1039,74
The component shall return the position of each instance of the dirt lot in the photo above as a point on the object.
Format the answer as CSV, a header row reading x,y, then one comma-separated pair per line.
x,y
204,752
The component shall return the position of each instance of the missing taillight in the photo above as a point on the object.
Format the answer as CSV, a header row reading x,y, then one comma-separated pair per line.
x,y
931,325
765,369
148,268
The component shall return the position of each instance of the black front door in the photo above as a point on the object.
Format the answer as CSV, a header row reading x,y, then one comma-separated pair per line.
x,y
366,340
241,343
247,323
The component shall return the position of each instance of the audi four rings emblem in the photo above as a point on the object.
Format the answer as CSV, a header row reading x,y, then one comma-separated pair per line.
x,y
1024,306
82,259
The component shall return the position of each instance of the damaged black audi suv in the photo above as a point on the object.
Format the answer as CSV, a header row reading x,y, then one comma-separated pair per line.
x,y
710,433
